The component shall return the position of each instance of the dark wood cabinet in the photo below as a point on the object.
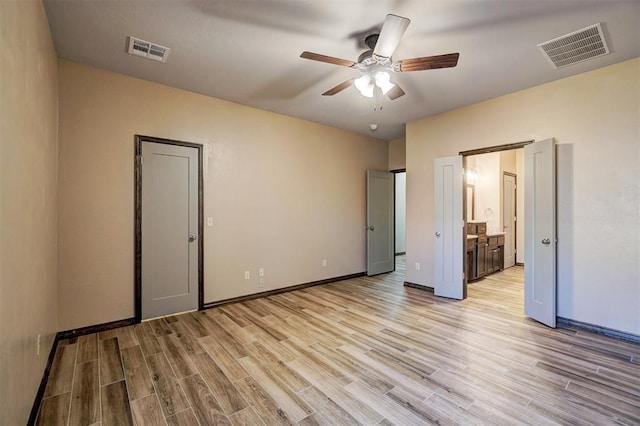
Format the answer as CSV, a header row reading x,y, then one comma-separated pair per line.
x,y
495,253
471,259
494,260
488,256
476,228
481,260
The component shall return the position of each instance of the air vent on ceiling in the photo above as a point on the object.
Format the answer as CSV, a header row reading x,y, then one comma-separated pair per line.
x,y
578,46
148,50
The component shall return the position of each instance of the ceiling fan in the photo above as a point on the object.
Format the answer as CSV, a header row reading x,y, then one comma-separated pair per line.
x,y
376,63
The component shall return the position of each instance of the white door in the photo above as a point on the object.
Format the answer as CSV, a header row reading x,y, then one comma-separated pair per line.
x,y
169,229
448,228
380,224
540,232
509,219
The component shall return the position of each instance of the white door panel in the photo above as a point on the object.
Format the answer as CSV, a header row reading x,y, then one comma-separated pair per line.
x,y
380,223
448,228
508,219
169,229
540,232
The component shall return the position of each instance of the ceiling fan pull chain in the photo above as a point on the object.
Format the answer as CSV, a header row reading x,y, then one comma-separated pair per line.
x,y
377,99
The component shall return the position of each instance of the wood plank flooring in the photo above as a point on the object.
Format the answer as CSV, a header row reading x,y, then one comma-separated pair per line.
x,y
363,351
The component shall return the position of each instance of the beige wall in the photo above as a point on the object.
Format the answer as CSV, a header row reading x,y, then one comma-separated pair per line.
x,y
397,154
595,119
283,193
28,190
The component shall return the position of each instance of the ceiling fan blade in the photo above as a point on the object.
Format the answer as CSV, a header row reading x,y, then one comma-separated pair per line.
x,y
327,59
395,92
339,88
392,30
428,62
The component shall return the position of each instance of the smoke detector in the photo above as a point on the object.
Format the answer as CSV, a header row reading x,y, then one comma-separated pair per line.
x,y
578,46
148,50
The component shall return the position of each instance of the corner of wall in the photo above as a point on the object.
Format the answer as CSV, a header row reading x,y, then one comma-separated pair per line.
x,y
397,154
28,220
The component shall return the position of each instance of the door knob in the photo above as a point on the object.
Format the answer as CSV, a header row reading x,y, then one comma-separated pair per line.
x,y
438,234
192,238
546,241
370,228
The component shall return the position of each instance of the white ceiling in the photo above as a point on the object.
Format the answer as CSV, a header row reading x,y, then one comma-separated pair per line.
x,y
247,51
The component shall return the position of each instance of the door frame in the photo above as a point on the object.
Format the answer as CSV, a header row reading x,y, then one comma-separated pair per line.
x,y
477,151
137,281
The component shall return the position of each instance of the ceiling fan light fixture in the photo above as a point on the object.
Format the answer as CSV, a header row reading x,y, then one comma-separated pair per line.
x,y
383,81
364,85
368,91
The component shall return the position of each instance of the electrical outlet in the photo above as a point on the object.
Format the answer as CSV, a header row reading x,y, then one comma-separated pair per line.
x,y
261,282
38,346
247,275
324,263
417,266
261,272
209,221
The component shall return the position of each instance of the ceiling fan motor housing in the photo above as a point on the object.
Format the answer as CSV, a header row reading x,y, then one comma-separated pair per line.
x,y
371,40
365,55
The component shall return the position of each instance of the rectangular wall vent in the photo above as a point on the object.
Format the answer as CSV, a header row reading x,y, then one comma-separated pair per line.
x,y
578,46
148,50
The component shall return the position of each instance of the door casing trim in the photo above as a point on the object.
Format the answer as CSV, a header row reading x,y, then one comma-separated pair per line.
x,y
477,151
137,280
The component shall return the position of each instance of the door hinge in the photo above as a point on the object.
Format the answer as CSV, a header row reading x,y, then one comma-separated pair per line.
x,y
463,276
140,159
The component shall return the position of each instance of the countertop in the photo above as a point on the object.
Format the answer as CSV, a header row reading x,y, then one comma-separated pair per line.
x,y
472,237
494,234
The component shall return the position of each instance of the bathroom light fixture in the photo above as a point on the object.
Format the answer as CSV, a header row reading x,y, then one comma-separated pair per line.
x,y
472,176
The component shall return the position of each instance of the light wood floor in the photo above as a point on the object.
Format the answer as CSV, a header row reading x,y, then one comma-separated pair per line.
x,y
366,351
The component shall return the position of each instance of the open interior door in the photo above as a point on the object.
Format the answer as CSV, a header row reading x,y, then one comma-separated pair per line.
x,y
540,232
380,223
448,228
